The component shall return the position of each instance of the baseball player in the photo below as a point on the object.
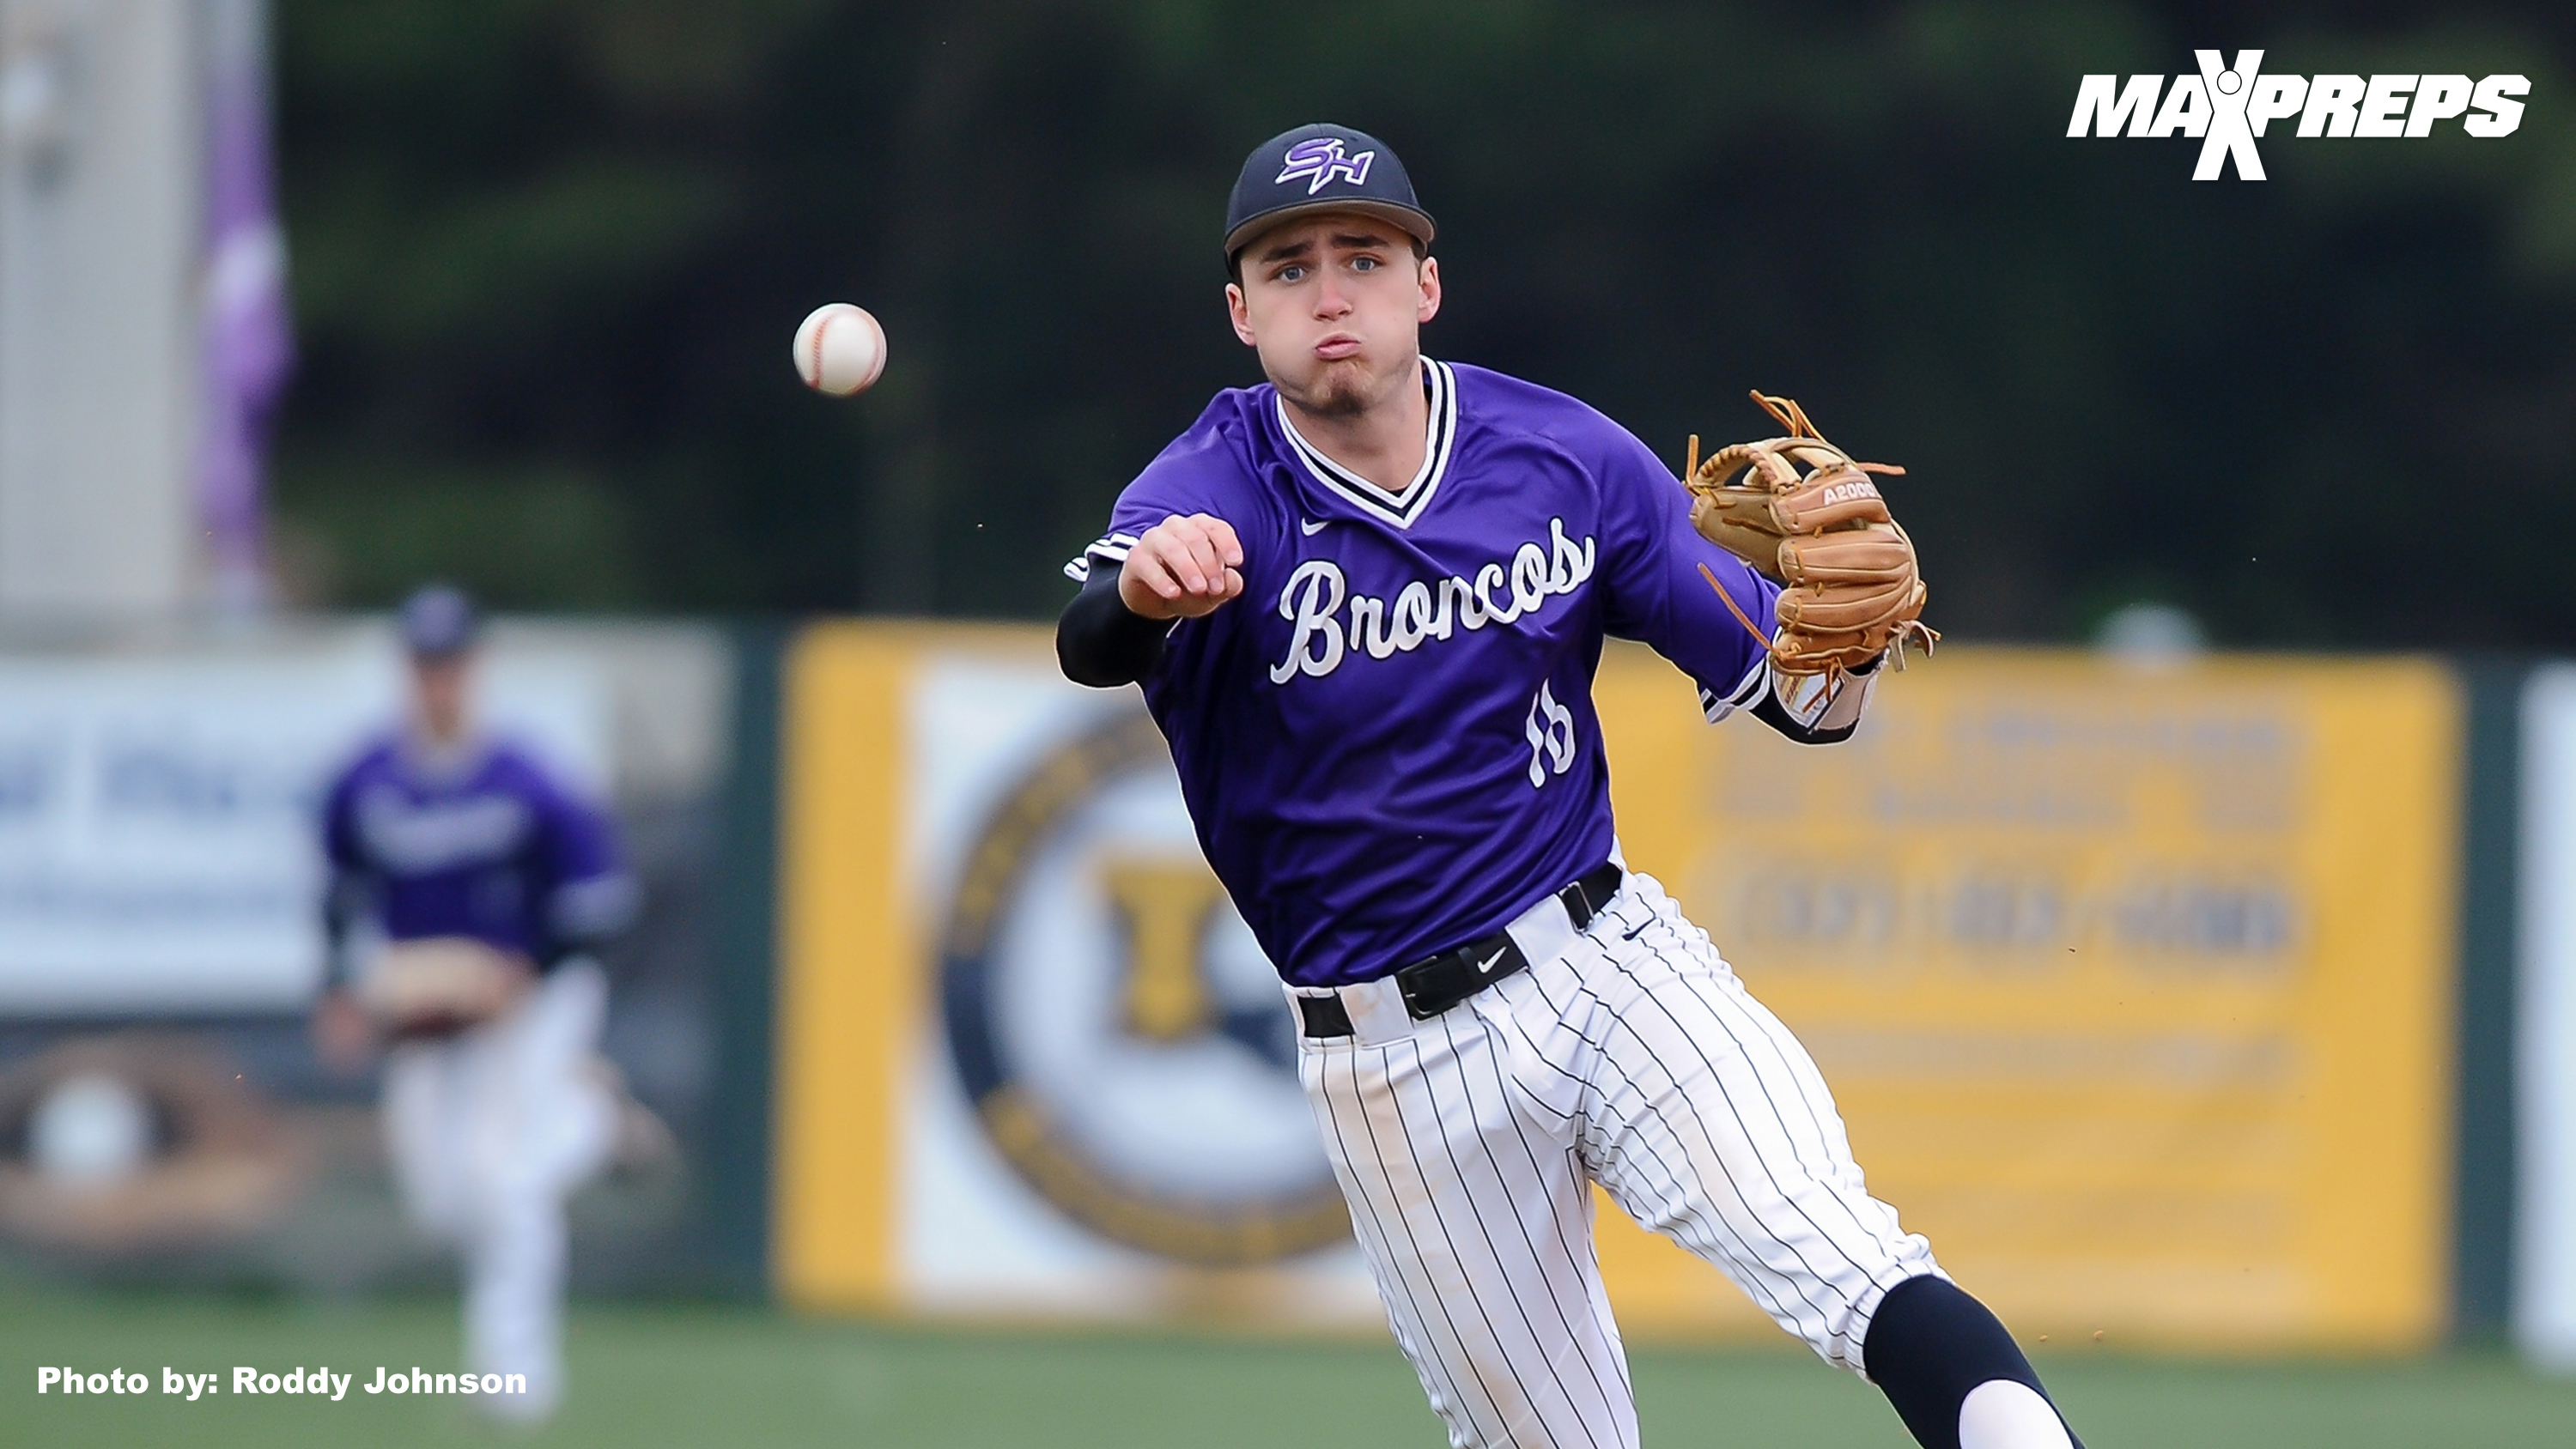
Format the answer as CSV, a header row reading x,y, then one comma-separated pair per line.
x,y
486,881
1365,602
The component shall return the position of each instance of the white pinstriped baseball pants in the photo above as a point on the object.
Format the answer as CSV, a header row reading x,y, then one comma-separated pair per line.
x,y
490,1132
1628,1055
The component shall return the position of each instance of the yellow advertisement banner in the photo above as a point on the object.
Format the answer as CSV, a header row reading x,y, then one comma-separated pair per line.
x,y
1030,1063
849,978
2134,985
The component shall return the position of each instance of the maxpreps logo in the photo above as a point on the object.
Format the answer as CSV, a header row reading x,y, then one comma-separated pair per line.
x,y
2227,106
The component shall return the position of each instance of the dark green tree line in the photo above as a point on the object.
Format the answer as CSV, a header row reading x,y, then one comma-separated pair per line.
x,y
548,253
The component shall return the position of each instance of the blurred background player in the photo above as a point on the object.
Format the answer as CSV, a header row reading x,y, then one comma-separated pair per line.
x,y
487,882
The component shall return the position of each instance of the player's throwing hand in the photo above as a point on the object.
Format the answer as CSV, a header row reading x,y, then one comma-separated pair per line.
x,y
1183,568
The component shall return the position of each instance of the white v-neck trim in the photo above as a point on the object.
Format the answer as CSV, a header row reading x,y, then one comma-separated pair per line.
x,y
1400,509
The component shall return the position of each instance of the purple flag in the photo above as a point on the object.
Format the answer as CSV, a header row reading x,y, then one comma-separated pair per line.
x,y
247,346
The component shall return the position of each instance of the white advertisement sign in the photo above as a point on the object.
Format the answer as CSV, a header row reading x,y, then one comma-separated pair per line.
x,y
1109,1098
158,847
2544,1308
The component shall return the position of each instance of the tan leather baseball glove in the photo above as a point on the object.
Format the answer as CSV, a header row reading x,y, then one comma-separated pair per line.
x,y
440,985
1799,510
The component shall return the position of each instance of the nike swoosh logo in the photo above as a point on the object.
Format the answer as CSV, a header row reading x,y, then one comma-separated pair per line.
x,y
1311,526
1488,963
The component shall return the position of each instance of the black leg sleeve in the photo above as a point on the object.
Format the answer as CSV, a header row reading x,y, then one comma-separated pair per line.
x,y
1929,1344
1099,642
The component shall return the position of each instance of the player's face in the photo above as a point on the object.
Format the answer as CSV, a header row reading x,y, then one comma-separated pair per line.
x,y
1335,306
439,686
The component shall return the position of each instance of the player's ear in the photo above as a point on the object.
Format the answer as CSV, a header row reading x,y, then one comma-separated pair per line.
x,y
1236,313
1428,306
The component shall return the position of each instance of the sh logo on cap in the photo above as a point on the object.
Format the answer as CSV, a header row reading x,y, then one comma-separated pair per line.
x,y
1322,159
1345,170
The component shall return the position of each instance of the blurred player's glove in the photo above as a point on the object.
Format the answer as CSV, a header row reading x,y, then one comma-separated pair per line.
x,y
1803,513
439,986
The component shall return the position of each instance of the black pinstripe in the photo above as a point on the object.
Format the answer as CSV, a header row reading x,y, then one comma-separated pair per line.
x,y
1773,1038
1485,1391
1769,1173
1449,1243
1748,1270
1485,1144
1826,1153
1347,1163
1873,1242
1678,1183
1586,1262
1588,1042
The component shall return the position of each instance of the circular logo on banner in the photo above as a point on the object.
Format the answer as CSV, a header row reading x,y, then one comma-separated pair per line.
x,y
1115,1025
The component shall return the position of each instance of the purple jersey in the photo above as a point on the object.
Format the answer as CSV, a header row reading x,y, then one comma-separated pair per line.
x,y
481,844
1387,743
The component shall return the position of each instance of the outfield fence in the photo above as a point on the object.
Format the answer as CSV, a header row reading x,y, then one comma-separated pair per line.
x,y
2223,1005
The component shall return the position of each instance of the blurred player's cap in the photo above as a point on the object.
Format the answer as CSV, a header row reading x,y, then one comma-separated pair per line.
x,y
1320,168
439,621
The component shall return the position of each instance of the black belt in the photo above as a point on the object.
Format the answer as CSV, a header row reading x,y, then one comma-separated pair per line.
x,y
1436,983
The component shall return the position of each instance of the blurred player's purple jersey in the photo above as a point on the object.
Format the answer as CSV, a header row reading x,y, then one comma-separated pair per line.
x,y
483,844
1388,742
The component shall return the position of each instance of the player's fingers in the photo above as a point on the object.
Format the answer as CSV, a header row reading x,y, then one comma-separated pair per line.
x,y
1210,562
1194,554
1173,548
1149,571
1188,559
1228,547
1212,544
1222,587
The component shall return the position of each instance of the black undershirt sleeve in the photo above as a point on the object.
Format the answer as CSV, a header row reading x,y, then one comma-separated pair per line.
x,y
1100,642
1771,712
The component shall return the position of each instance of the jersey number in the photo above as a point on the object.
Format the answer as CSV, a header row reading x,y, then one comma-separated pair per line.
x,y
1550,728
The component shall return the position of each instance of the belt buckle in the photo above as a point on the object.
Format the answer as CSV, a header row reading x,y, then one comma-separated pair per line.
x,y
1582,898
1406,980
1432,973
1580,889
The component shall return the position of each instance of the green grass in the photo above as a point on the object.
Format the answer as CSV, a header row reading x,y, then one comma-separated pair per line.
x,y
657,1375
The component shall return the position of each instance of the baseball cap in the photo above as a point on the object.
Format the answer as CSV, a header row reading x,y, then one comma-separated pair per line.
x,y
439,621
1320,168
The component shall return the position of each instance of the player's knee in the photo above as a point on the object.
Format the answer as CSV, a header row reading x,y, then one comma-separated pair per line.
x,y
1954,1375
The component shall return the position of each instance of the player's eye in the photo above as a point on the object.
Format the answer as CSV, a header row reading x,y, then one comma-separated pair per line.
x,y
1364,264
1292,273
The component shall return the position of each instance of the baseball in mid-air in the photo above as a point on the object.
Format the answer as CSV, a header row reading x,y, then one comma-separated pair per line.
x,y
840,349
